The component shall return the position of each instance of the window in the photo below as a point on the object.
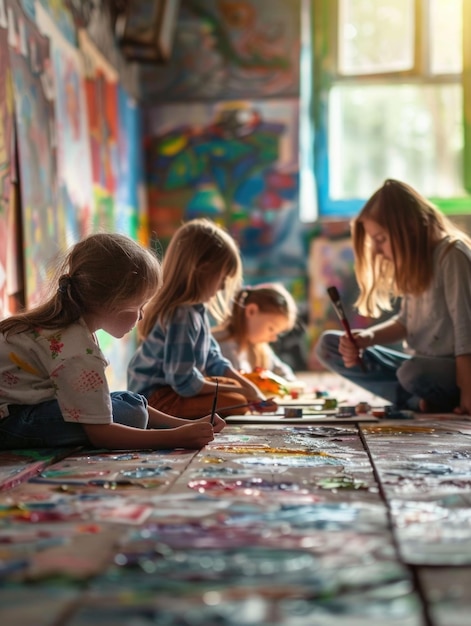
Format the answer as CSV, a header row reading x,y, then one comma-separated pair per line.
x,y
388,100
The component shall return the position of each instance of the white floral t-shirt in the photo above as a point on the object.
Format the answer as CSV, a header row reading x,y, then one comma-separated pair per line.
x,y
64,364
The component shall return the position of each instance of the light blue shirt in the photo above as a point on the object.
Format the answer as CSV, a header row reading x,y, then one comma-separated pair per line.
x,y
179,355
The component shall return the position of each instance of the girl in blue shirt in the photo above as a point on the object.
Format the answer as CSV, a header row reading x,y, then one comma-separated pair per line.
x,y
178,362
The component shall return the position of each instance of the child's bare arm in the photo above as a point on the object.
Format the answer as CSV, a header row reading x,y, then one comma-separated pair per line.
x,y
193,435
241,384
157,419
248,388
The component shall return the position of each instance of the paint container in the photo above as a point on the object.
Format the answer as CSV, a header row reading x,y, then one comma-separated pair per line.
x,y
329,404
292,411
362,408
346,411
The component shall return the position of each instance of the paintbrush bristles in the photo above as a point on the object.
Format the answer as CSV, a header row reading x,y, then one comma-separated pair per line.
x,y
333,293
335,298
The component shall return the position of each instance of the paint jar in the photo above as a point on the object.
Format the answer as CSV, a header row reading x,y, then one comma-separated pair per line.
x,y
346,411
291,411
362,407
329,403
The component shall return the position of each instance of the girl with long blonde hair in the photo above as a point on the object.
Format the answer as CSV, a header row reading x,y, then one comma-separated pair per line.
x,y
178,364
406,249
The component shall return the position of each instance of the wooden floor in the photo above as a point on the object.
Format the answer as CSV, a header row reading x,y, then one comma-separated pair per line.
x,y
335,523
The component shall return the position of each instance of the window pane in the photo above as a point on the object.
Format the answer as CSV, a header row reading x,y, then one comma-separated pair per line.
x,y
409,132
375,36
446,36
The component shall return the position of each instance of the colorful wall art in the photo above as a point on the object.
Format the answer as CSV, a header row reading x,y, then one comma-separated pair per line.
x,y
43,226
246,49
236,163
75,197
8,250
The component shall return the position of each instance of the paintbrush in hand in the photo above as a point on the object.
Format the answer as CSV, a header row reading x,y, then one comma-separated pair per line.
x,y
335,298
215,401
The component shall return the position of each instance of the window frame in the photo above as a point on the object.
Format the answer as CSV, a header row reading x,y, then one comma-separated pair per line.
x,y
325,26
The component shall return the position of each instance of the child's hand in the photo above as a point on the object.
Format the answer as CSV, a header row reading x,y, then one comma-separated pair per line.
x,y
218,422
349,350
265,406
251,391
193,436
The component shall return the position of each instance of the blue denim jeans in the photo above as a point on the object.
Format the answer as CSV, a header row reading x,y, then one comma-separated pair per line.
x,y
42,425
400,378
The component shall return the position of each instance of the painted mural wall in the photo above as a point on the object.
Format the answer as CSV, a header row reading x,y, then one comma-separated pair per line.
x,y
8,277
245,49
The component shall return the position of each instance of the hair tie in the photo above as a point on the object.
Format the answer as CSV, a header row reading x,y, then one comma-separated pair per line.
x,y
64,283
243,297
